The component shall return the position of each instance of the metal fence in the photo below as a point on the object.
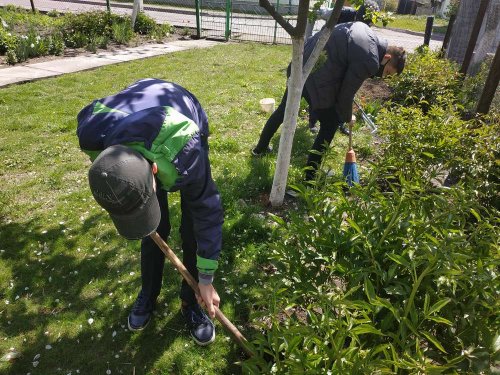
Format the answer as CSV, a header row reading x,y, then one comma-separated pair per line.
x,y
224,19
218,19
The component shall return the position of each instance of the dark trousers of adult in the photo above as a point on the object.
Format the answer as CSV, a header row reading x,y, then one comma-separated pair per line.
x,y
153,259
328,123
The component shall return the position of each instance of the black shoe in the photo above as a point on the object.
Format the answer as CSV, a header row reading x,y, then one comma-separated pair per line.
x,y
141,313
199,324
344,130
258,152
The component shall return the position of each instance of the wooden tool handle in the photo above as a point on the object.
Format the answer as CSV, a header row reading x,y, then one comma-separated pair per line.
x,y
350,136
233,331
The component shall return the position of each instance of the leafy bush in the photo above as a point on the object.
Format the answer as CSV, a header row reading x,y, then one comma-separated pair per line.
x,y
439,143
28,46
144,24
8,41
98,41
56,44
427,79
83,28
161,31
401,281
400,274
122,32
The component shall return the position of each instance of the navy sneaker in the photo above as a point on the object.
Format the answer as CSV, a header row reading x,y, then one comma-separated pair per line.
x,y
141,313
199,324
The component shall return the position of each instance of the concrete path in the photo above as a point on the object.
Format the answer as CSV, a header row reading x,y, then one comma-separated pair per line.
x,y
88,61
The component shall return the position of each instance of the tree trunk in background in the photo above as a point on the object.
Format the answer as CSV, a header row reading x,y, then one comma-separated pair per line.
x,y
489,36
460,36
295,84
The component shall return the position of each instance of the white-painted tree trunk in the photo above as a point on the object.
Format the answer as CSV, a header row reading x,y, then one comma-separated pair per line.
x,y
295,84
138,7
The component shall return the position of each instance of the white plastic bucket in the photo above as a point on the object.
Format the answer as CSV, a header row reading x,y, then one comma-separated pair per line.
x,y
267,105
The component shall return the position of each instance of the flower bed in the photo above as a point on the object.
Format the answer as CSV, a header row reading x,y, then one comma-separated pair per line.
x,y
25,35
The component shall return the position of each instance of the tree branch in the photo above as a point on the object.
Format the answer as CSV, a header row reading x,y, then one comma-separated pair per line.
x,y
300,28
324,35
278,17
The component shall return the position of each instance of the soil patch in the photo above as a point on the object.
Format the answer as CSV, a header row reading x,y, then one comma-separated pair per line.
x,y
374,89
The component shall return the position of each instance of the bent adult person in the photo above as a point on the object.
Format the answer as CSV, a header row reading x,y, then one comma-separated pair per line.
x,y
353,54
146,141
348,14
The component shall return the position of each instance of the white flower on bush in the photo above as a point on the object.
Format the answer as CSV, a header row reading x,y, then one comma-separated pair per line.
x,y
32,45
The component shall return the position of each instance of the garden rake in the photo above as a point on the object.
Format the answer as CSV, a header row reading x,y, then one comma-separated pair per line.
x,y
366,118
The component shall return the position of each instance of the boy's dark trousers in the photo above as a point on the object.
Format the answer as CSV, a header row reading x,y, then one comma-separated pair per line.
x,y
153,259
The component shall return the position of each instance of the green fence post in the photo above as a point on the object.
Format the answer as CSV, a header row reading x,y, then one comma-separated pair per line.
x,y
276,23
108,7
228,19
198,19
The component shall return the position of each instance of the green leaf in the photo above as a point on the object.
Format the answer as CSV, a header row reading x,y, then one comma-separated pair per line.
x,y
410,325
366,328
428,154
439,305
439,319
476,215
426,304
277,219
432,339
399,259
354,225
369,290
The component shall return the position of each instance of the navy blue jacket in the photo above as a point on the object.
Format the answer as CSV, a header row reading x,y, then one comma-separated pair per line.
x,y
136,115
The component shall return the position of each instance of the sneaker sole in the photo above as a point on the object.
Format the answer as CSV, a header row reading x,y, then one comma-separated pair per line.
x,y
212,339
137,329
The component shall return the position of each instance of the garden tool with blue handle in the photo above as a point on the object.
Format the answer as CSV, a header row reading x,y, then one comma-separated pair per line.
x,y
350,168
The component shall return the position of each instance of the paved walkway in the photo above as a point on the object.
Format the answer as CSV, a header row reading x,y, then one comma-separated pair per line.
x,y
88,61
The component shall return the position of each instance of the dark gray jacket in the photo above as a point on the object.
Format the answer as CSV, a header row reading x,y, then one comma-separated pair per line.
x,y
354,54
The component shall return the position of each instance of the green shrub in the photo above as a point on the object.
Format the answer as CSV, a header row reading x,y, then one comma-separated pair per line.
x,y
427,79
144,24
95,42
11,57
430,146
8,41
56,44
122,32
83,28
161,31
402,281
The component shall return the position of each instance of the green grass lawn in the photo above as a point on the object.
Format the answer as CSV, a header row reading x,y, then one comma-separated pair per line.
x,y
67,280
417,23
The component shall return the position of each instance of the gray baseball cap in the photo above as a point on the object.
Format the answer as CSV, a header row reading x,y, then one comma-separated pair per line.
x,y
121,181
